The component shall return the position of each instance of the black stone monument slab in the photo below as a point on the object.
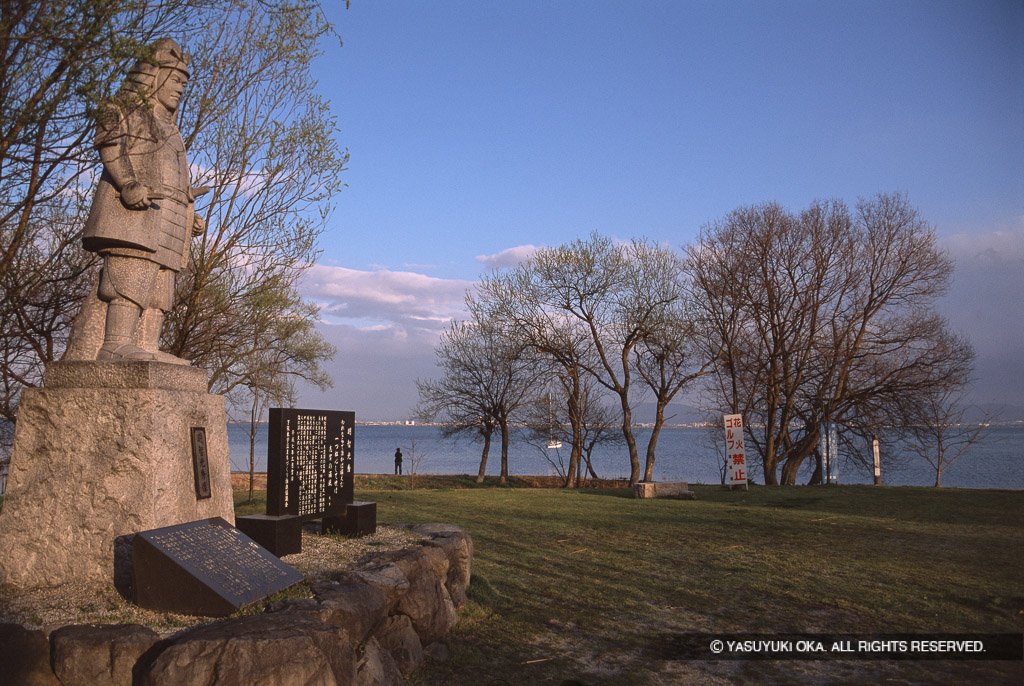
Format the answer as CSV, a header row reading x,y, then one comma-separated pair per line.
x,y
360,520
280,535
206,567
309,462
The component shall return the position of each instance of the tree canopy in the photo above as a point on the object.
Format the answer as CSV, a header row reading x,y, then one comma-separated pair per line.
x,y
793,320
823,316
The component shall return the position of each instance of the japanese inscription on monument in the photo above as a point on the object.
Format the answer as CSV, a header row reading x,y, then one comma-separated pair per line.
x,y
200,462
309,462
205,567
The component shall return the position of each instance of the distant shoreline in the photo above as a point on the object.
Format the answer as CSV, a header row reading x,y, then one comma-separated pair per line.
x,y
1015,424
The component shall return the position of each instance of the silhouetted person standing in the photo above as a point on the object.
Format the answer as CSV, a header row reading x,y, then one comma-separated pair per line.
x,y
398,461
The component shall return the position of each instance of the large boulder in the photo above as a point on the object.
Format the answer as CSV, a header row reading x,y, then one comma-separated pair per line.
x,y
86,655
24,657
427,603
376,667
284,649
457,549
386,576
357,608
438,529
398,638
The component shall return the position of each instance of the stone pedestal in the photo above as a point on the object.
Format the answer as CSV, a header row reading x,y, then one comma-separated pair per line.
x,y
280,535
105,450
360,520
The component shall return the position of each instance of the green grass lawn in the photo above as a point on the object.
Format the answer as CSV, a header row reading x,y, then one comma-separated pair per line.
x,y
590,584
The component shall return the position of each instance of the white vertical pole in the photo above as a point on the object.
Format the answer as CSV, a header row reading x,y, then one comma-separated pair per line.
x,y
878,463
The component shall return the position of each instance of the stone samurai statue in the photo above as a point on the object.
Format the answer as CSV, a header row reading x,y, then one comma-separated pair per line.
x,y
142,215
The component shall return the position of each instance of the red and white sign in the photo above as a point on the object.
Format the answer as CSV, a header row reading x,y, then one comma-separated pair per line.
x,y
735,454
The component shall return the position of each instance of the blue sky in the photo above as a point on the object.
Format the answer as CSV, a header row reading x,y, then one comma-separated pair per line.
x,y
478,130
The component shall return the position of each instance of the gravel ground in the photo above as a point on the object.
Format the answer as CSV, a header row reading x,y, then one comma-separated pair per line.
x,y
75,603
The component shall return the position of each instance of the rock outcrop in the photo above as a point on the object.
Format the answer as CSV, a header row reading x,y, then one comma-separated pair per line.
x,y
369,627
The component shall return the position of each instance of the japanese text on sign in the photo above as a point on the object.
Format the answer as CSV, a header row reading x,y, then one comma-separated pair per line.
x,y
309,462
735,454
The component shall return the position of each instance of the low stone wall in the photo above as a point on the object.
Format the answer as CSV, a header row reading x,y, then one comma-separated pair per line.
x,y
373,625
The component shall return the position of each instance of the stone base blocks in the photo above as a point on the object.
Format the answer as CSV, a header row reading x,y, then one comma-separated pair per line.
x,y
360,520
104,450
664,489
280,535
371,627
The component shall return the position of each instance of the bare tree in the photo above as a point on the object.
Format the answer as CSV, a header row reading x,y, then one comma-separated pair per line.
x,y
509,300
668,359
549,422
589,304
416,457
487,376
821,317
937,432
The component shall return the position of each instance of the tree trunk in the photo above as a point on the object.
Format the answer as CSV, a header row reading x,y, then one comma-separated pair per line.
x,y
627,432
572,479
818,470
576,424
253,416
252,452
483,457
659,421
770,463
503,478
796,457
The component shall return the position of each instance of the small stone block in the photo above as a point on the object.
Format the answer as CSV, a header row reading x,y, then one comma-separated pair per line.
x,y
360,520
663,489
280,535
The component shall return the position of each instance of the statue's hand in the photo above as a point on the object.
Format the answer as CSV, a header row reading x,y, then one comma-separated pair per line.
x,y
198,225
135,196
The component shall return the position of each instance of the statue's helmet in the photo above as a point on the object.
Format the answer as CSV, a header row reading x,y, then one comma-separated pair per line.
x,y
163,54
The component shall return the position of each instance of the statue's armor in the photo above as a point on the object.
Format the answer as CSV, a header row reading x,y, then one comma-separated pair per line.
x,y
151,152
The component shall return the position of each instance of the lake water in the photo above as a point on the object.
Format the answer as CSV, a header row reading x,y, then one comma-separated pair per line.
x,y
682,455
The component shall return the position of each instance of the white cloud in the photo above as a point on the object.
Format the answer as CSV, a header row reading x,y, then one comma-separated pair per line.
x,y
375,370
385,325
509,257
384,298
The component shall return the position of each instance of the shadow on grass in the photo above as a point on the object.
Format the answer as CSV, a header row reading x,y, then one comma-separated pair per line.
x,y
609,492
924,505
